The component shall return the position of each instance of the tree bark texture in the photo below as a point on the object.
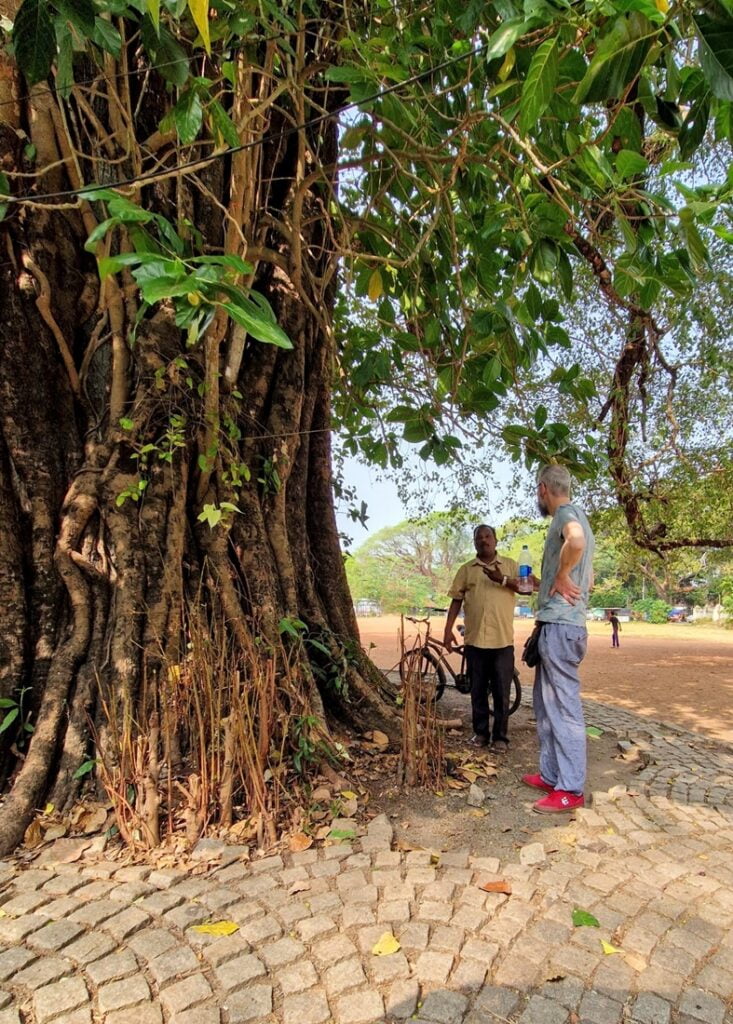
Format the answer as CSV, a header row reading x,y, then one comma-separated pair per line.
x,y
97,591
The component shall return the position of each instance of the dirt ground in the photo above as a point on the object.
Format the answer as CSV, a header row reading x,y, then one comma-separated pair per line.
x,y
678,672
673,673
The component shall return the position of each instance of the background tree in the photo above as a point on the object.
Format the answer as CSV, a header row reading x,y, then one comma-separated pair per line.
x,y
179,196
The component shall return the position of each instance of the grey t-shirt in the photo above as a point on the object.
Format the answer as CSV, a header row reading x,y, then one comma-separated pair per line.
x,y
556,608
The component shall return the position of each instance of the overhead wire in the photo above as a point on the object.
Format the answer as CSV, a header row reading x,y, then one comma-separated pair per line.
x,y
152,176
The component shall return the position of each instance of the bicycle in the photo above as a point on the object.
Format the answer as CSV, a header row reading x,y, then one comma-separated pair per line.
x,y
429,663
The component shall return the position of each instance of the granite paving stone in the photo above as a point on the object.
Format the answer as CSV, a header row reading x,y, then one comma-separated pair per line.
x,y
653,862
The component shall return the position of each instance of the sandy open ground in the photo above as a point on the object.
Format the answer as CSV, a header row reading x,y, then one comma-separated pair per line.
x,y
676,672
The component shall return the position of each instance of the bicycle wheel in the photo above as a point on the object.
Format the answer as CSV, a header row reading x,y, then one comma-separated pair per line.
x,y
426,667
515,693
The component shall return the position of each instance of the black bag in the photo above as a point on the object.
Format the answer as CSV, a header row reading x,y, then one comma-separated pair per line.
x,y
531,652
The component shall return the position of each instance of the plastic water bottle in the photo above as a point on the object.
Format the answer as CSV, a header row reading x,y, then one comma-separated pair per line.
x,y
525,572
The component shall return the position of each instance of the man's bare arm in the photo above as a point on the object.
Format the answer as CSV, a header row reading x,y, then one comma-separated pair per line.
x,y
455,607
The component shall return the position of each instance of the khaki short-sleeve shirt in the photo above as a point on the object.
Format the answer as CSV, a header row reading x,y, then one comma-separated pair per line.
x,y
489,607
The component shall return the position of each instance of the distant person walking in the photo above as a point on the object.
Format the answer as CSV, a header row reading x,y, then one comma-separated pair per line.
x,y
615,628
486,587
567,575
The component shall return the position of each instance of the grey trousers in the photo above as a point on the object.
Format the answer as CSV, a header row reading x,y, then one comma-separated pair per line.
x,y
557,706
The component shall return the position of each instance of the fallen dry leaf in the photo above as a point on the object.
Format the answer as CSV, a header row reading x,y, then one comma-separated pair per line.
x,y
299,841
499,885
33,836
302,885
635,962
321,794
456,783
386,946
379,739
54,832
92,820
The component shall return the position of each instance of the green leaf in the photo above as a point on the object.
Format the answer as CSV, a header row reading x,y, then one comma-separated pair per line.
x,y
64,80
539,84
630,164
693,240
170,57
565,274
506,36
223,124
543,261
724,121
694,127
618,59
582,919
34,40
9,719
188,115
253,322
8,702
80,13
153,7
211,515
645,7
84,768
593,731
126,423
716,53
342,833
107,37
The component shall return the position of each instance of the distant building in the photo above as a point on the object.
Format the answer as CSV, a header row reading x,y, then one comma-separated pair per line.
x,y
365,607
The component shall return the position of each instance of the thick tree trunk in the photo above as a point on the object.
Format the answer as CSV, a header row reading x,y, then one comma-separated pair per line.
x,y
103,597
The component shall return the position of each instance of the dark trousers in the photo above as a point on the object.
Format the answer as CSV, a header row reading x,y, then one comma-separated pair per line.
x,y
490,670
614,638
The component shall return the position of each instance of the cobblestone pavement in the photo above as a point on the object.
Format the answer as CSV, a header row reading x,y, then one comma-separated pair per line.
x,y
83,942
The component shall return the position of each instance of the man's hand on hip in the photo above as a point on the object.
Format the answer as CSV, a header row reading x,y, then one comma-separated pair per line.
x,y
566,588
448,641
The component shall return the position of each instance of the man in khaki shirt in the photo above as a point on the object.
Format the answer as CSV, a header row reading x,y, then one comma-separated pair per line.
x,y
487,587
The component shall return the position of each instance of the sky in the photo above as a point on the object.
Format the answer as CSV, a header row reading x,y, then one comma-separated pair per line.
x,y
385,508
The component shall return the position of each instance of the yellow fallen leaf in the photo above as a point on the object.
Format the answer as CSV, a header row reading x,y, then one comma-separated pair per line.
x,y
478,812
439,792
348,794
608,949
49,809
386,946
216,928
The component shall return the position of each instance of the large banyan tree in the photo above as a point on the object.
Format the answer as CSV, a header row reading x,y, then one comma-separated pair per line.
x,y
227,228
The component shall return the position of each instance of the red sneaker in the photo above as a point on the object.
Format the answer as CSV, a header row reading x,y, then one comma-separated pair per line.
x,y
537,782
559,802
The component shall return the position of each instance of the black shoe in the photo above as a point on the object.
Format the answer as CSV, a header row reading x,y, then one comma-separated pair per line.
x,y
477,740
500,746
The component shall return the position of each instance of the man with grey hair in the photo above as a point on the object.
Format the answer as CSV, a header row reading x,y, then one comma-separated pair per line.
x,y
567,577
